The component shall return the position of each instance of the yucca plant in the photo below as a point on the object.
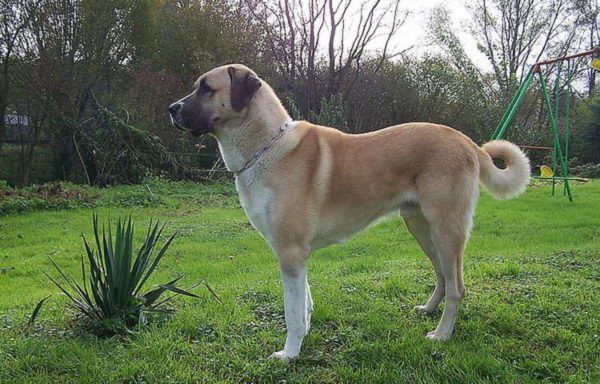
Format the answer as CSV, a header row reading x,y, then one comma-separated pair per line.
x,y
110,296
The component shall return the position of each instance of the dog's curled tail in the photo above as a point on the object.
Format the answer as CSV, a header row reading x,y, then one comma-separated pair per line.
x,y
503,183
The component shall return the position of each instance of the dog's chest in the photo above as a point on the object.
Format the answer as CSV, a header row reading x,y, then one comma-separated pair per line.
x,y
257,202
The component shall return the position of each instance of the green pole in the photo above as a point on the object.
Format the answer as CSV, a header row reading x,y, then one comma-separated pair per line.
x,y
513,109
556,105
510,107
557,90
555,134
568,117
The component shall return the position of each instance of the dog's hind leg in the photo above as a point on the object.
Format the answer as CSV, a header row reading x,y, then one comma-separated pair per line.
x,y
450,216
448,203
449,243
296,301
420,229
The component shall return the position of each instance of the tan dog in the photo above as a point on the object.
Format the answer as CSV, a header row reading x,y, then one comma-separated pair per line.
x,y
305,186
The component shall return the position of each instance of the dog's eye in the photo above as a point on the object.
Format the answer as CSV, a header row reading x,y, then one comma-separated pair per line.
x,y
205,89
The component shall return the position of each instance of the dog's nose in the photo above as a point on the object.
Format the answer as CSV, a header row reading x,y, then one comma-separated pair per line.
x,y
173,108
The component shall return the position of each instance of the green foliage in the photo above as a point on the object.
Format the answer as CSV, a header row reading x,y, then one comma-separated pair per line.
x,y
331,112
62,195
19,204
432,88
589,170
119,153
13,158
292,108
189,37
109,297
54,195
591,134
5,188
116,66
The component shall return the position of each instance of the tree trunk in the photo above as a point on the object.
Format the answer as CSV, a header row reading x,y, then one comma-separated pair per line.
x,y
4,98
2,125
28,161
3,106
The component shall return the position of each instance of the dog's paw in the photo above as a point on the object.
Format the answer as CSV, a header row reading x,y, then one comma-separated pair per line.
x,y
438,336
423,310
282,356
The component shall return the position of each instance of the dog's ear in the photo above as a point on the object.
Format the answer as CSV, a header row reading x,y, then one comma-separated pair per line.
x,y
244,85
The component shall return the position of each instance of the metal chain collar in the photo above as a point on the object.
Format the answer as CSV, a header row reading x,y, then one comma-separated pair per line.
x,y
280,132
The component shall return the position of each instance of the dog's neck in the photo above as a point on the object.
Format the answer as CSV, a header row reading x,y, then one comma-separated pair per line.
x,y
246,136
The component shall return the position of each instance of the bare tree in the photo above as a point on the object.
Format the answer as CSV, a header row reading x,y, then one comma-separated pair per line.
x,y
589,23
325,41
515,34
69,49
15,16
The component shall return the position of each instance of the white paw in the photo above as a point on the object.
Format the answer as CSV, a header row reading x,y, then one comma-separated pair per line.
x,y
438,336
423,310
283,356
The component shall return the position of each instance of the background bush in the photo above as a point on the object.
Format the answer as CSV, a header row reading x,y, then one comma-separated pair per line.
x,y
62,195
101,117
589,170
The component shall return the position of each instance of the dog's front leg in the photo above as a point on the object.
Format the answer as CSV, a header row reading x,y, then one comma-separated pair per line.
x,y
296,297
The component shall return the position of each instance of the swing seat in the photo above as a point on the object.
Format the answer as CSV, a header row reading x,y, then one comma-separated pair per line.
x,y
546,171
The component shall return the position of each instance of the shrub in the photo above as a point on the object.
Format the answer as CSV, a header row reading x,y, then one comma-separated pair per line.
x,y
109,298
116,152
54,195
4,187
589,170
62,195
331,112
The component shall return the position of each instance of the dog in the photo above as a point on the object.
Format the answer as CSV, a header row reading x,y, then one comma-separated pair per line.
x,y
305,186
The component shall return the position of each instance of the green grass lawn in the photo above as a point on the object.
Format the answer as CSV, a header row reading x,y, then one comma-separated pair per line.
x,y
531,313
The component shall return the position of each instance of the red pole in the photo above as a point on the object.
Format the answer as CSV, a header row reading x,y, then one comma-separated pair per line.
x,y
552,61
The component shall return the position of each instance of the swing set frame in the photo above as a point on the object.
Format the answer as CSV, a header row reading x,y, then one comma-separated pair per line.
x,y
560,148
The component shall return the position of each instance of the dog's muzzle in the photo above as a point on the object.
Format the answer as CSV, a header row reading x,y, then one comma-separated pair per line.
x,y
176,114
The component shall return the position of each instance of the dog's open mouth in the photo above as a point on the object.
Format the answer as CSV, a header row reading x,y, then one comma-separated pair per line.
x,y
177,125
194,132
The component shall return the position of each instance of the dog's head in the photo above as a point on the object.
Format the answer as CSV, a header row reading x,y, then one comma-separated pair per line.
x,y
219,95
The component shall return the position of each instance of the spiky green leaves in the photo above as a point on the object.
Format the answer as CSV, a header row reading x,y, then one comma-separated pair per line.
x,y
113,277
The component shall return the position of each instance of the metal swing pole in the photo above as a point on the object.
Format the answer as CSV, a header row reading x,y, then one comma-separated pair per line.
x,y
555,132
568,117
558,159
508,109
510,112
556,105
